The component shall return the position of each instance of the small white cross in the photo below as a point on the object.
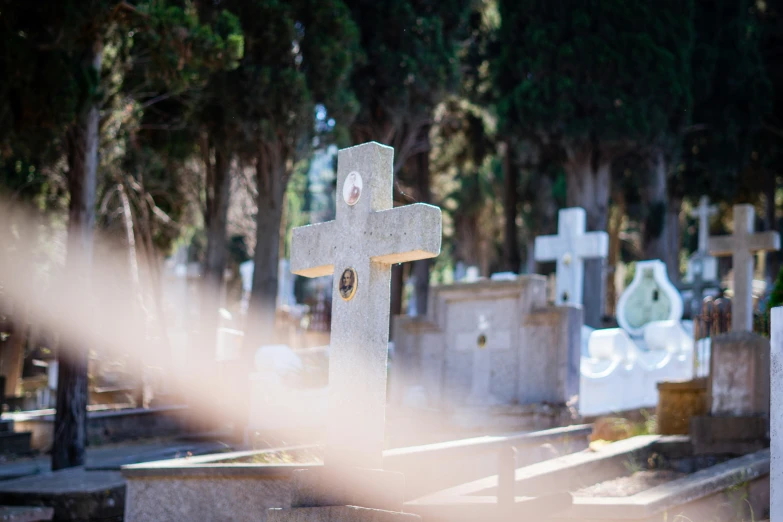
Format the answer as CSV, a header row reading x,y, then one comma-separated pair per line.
x,y
570,247
741,246
703,213
359,246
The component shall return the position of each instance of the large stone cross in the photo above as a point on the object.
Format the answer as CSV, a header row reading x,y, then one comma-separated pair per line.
x,y
703,213
570,247
359,247
741,246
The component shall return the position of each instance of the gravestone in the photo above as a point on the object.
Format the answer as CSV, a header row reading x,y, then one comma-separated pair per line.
x,y
776,417
570,248
741,246
650,297
525,376
360,245
480,343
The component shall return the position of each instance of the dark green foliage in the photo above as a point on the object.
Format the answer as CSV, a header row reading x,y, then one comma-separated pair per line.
x,y
776,297
611,70
731,92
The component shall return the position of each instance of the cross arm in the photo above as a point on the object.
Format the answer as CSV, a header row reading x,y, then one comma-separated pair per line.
x,y
548,248
721,245
764,241
593,245
406,233
313,249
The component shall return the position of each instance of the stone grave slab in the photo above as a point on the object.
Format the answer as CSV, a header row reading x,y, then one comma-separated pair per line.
x,y
776,415
530,355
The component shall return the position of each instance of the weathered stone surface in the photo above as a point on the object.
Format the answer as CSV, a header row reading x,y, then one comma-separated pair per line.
x,y
732,435
741,246
739,369
333,486
210,497
338,514
531,353
569,248
678,402
367,236
776,415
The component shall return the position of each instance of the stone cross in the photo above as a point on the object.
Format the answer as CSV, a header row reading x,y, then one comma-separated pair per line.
x,y
570,247
703,213
776,416
480,342
741,246
698,285
359,247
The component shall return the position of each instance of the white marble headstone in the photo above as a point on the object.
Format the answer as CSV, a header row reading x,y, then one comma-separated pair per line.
x,y
650,297
569,248
481,342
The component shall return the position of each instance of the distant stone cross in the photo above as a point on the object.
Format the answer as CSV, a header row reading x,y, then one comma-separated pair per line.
x,y
741,246
703,213
570,247
359,247
698,285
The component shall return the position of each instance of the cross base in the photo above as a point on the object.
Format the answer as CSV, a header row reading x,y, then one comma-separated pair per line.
x,y
332,486
339,514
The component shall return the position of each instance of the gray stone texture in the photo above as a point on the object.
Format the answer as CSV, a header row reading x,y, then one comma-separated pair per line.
x,y
369,237
541,364
741,246
73,494
739,375
331,486
214,499
776,417
338,514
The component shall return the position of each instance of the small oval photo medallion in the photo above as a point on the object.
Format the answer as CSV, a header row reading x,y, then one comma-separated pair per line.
x,y
349,280
352,188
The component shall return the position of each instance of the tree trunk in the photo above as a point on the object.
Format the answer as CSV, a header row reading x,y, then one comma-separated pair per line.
x,y
13,350
70,424
656,236
216,221
513,259
587,183
421,268
271,180
673,239
773,258
614,229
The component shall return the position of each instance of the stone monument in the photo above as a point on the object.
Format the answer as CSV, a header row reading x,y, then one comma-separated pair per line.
x,y
569,248
776,430
702,272
489,355
741,246
360,245
650,297
739,386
